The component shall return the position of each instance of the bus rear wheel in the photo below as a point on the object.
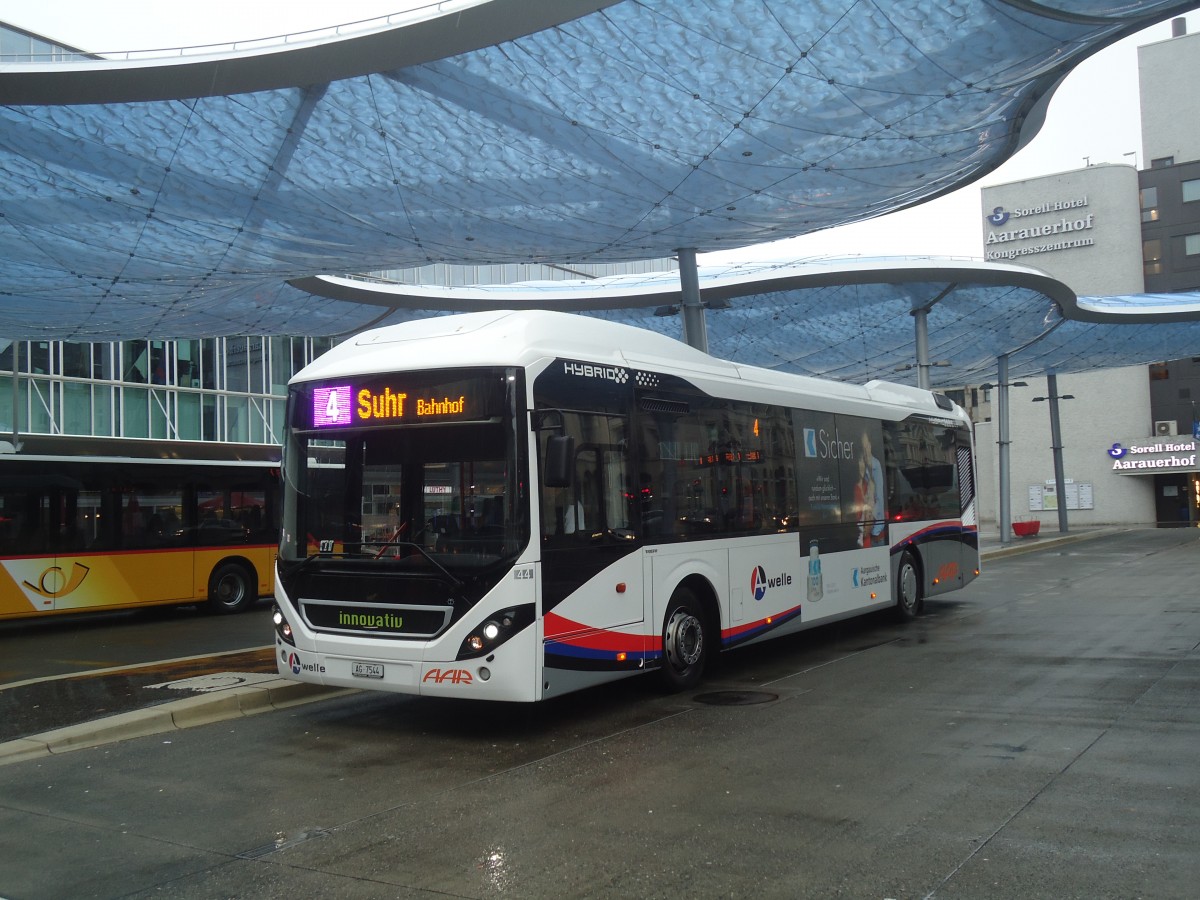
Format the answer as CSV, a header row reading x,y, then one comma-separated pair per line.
x,y
230,588
684,641
908,588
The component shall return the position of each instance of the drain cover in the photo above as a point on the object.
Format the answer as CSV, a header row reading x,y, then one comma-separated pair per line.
x,y
735,698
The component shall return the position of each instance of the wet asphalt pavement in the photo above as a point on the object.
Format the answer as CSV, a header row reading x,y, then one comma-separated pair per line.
x,y
54,703
1035,735
72,669
69,670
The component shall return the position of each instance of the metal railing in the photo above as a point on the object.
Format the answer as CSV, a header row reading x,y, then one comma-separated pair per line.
x,y
420,13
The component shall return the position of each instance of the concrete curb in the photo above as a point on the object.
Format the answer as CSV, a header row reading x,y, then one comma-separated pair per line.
x,y
204,709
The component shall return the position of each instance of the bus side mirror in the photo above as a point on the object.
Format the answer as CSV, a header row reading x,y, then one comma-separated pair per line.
x,y
560,460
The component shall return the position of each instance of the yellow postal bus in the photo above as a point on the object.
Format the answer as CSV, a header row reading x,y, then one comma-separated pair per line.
x,y
89,524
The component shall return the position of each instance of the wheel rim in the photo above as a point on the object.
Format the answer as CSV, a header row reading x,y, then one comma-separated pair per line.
x,y
683,640
908,586
230,590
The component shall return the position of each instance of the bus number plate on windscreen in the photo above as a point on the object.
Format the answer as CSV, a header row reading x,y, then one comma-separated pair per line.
x,y
366,670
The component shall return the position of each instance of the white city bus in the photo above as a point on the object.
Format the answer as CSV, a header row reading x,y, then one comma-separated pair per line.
x,y
515,505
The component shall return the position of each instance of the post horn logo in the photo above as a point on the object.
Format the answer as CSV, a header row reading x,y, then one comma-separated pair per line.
x,y
54,584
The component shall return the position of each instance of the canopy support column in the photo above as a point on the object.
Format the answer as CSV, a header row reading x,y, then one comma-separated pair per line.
x,y
1003,443
920,316
695,334
921,322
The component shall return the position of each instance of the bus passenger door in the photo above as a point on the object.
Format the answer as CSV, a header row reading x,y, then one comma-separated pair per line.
x,y
591,572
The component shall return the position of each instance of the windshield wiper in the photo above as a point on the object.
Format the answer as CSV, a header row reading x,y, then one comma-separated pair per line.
x,y
383,545
299,565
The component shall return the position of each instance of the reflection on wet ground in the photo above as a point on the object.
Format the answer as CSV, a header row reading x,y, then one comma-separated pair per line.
x,y
44,705
52,649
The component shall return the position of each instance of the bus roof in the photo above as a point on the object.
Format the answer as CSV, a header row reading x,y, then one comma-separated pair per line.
x,y
526,337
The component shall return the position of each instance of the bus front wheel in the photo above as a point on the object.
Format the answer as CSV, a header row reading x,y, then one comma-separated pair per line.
x,y
908,588
230,588
685,645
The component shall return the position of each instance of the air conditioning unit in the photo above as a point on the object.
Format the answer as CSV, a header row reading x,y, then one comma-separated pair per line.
x,y
1164,427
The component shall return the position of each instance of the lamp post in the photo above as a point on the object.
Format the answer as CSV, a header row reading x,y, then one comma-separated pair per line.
x,y
1056,444
1003,442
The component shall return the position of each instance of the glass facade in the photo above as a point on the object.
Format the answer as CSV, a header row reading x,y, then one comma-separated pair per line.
x,y
21,46
216,389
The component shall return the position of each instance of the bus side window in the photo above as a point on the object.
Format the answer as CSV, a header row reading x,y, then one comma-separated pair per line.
x,y
922,476
563,508
658,480
85,531
31,524
597,500
563,514
575,507
584,512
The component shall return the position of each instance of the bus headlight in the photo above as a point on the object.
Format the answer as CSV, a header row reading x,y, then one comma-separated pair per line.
x,y
495,630
282,627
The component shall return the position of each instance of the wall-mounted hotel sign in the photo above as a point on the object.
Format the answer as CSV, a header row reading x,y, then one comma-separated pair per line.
x,y
1155,456
1060,225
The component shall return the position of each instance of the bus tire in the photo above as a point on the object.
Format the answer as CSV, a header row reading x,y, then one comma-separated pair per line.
x,y
685,642
908,588
231,588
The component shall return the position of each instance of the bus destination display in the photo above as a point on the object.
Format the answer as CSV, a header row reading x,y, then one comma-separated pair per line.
x,y
396,402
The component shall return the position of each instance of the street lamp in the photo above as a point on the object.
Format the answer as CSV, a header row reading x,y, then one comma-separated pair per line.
x,y
987,385
936,364
1056,444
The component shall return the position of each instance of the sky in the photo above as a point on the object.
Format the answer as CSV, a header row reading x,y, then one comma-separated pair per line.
x,y
1093,117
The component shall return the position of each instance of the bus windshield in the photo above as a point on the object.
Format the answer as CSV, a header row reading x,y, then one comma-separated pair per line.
x,y
398,488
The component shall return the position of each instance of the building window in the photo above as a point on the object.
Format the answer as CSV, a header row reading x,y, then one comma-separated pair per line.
x,y
1191,190
37,361
135,362
1162,162
1152,257
1191,244
1149,197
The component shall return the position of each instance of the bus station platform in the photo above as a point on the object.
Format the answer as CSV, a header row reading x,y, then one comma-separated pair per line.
x,y
991,547
61,714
